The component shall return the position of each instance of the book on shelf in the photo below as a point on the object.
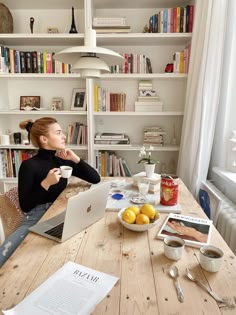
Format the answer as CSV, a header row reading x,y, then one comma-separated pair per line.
x,y
172,20
145,85
154,103
109,21
194,231
108,163
110,135
112,141
112,29
148,108
145,93
16,61
149,98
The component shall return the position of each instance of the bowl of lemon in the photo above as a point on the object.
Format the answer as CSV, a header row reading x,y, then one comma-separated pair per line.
x,y
139,219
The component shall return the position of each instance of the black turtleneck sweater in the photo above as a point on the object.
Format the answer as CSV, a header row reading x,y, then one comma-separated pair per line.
x,y
34,170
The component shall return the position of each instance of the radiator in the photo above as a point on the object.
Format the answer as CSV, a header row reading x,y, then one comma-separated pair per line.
x,y
223,214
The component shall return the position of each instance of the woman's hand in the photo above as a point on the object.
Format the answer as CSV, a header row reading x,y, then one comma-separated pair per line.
x,y
68,154
52,178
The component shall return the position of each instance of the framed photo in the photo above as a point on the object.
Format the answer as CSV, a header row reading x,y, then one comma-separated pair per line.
x,y
52,30
78,99
29,102
57,103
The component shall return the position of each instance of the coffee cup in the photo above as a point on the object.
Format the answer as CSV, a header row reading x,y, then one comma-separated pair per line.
x,y
173,247
66,171
211,258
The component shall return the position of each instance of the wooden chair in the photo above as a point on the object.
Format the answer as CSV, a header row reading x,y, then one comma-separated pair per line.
x,y
10,213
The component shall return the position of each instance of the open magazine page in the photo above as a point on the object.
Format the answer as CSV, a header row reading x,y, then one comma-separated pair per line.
x,y
195,231
72,290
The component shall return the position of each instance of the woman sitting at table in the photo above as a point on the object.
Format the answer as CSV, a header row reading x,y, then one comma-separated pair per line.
x,y
39,178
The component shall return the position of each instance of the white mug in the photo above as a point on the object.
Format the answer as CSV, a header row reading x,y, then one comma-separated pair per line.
x,y
5,139
66,171
211,258
173,247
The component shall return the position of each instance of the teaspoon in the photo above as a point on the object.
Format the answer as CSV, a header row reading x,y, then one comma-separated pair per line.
x,y
173,271
212,293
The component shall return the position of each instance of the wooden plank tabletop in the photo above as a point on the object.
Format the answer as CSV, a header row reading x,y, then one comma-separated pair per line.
x,y
136,258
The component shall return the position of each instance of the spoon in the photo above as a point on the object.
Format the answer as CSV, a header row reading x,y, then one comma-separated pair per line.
x,y
173,271
212,293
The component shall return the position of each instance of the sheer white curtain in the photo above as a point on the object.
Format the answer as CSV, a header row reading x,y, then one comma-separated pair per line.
x,y
226,118
202,97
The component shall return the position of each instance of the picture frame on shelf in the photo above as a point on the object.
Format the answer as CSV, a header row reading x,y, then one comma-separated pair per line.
x,y
57,103
78,99
52,30
29,102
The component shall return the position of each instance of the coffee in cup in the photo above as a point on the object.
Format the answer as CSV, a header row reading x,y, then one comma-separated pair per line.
x,y
211,258
173,247
66,171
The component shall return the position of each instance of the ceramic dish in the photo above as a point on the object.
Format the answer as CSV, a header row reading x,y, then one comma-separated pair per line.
x,y
138,200
136,227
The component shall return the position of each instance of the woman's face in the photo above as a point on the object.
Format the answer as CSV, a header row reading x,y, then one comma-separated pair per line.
x,y
56,139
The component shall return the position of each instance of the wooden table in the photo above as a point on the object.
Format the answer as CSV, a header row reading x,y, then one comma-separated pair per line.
x,y
136,258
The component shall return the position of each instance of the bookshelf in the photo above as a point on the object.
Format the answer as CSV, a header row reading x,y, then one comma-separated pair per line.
x,y
159,47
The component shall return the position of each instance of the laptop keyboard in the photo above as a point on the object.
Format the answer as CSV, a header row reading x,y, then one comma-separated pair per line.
x,y
56,231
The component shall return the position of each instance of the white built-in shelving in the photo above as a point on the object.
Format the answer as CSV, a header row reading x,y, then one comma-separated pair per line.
x,y
158,47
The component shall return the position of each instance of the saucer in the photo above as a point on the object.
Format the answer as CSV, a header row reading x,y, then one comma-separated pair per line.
x,y
138,200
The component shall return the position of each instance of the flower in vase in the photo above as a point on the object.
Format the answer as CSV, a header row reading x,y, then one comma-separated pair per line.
x,y
146,156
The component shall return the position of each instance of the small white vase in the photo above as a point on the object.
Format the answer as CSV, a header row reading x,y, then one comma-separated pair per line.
x,y
149,169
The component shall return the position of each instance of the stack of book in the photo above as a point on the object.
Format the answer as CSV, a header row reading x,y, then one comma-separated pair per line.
x,y
111,138
154,135
104,25
148,100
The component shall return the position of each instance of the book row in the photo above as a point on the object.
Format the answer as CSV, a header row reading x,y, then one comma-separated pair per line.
x,y
77,133
10,161
181,60
16,61
134,63
172,20
105,101
110,164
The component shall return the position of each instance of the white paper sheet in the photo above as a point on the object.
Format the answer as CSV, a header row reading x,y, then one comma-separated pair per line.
x,y
72,290
130,192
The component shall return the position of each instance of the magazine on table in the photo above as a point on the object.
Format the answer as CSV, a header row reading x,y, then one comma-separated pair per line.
x,y
73,289
195,231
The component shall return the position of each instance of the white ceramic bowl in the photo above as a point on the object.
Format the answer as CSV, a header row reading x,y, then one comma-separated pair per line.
x,y
136,227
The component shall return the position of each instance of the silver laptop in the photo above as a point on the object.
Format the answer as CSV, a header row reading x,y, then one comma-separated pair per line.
x,y
82,210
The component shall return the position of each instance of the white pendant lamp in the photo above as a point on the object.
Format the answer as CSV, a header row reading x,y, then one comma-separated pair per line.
x,y
89,60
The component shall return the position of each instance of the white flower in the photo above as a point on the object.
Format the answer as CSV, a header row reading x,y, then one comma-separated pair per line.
x,y
146,156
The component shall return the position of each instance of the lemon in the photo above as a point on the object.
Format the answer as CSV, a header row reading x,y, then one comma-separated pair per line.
x,y
129,216
135,209
149,210
142,219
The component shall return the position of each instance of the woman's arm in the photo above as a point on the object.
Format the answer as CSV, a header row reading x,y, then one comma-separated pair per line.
x,y
81,169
